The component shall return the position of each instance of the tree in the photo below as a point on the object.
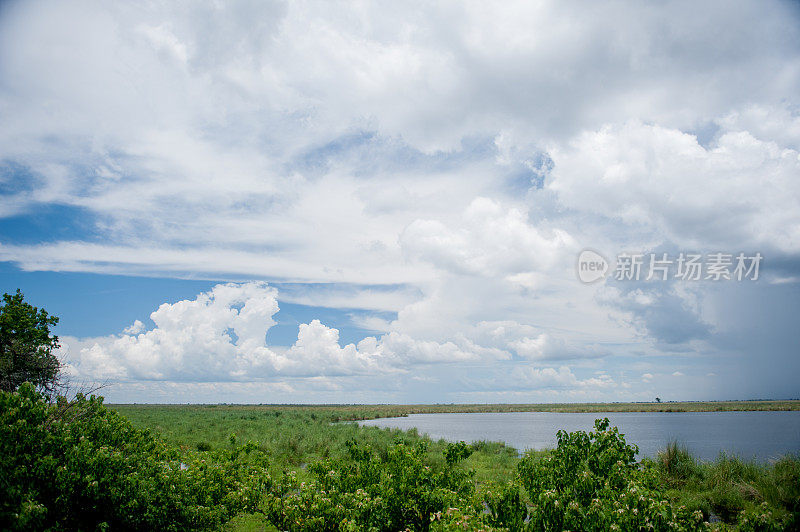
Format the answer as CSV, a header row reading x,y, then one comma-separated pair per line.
x,y
658,399
26,346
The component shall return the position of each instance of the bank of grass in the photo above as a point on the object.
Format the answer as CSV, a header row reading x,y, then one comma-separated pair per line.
x,y
345,412
724,488
294,436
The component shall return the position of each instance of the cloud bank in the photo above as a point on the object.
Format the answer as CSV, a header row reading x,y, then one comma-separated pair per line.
x,y
431,169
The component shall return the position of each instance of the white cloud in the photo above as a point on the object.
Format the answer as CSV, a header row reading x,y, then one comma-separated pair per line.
x,y
151,108
546,347
222,336
562,377
390,158
135,328
740,194
490,240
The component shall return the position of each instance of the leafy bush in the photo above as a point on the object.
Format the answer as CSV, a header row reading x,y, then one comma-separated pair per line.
x,y
397,491
506,506
78,465
593,482
763,519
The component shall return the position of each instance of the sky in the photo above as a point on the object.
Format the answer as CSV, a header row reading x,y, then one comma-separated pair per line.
x,y
383,202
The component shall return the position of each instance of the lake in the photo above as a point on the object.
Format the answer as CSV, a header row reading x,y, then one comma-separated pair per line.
x,y
757,435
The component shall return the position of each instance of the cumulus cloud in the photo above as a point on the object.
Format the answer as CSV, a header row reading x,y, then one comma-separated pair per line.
x,y
222,336
318,346
740,194
221,333
489,240
560,378
546,346
536,379
135,328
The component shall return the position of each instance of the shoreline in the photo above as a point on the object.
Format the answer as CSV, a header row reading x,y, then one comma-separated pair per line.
x,y
356,412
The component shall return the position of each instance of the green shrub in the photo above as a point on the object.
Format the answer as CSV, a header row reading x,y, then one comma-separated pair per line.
x,y
506,506
763,519
593,482
368,490
455,452
78,466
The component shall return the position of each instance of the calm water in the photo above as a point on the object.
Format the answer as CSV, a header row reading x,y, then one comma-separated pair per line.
x,y
759,435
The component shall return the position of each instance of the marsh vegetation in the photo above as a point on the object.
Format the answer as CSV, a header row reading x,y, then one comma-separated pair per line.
x,y
82,465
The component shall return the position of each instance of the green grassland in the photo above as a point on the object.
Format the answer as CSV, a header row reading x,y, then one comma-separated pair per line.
x,y
298,435
294,435
350,412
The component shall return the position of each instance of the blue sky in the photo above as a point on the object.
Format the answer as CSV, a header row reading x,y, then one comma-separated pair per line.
x,y
382,202
90,304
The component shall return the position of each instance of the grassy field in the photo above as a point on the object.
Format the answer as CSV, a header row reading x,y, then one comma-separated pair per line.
x,y
295,436
359,412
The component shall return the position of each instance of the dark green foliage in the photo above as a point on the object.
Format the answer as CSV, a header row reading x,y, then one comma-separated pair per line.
x,y
593,482
506,506
455,452
26,346
764,519
396,491
79,466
